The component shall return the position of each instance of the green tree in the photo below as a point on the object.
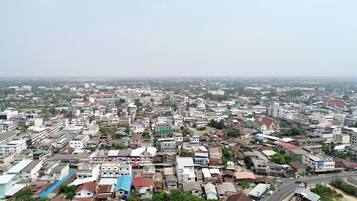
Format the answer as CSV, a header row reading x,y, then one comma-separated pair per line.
x,y
69,191
248,162
228,155
127,130
234,133
218,125
244,184
24,195
118,145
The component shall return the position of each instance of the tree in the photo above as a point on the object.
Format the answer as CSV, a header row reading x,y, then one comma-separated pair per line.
x,y
234,133
228,155
248,162
69,191
348,188
146,135
244,184
127,130
296,131
218,125
326,193
281,157
118,145
24,195
175,195
119,102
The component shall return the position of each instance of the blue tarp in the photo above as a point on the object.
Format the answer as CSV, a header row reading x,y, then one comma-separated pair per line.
x,y
57,184
124,183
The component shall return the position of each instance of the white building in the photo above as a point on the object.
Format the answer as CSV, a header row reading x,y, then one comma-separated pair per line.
x,y
318,163
13,147
115,169
87,170
185,169
79,142
31,171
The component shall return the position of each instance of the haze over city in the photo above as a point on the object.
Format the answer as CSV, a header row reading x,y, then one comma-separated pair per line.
x,y
178,38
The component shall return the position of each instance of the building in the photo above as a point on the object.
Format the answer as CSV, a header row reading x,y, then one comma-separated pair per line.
x,y
19,167
267,125
305,194
167,144
6,182
259,191
79,142
185,170
210,191
13,147
225,189
318,163
87,170
115,169
260,166
201,158
193,187
86,190
144,185
123,186
31,171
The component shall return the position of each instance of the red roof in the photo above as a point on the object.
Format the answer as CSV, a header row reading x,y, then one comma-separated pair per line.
x,y
337,103
267,121
244,175
136,137
90,186
105,189
143,182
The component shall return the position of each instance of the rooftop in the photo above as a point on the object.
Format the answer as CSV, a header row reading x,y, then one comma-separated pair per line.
x,y
19,166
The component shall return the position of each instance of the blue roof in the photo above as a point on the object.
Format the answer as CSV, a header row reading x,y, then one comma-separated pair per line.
x,y
57,184
124,183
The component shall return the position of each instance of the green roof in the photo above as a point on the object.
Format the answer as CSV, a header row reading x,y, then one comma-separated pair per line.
x,y
163,132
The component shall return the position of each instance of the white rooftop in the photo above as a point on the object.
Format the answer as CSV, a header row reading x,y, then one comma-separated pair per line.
x,y
206,173
214,171
184,162
108,181
6,178
259,190
14,189
113,152
19,166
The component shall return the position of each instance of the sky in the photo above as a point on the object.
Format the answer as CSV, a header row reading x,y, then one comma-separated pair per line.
x,y
131,38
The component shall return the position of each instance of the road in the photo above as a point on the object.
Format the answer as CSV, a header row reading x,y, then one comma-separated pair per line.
x,y
288,186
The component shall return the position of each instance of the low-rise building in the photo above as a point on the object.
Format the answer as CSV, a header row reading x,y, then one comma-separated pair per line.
x,y
115,169
13,147
185,169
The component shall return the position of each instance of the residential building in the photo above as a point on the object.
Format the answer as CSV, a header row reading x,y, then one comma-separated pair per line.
x,y
13,147
79,142
86,190
115,169
185,169
210,191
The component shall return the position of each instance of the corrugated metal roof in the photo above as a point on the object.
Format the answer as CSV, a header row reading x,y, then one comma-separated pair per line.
x,y
124,183
19,166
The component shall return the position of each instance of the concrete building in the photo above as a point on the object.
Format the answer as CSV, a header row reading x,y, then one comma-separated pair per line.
x,y
318,163
13,147
185,170
115,169
167,144
79,142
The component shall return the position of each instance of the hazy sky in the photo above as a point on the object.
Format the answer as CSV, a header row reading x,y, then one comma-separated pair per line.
x,y
178,38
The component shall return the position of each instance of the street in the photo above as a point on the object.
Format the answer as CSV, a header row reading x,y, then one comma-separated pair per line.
x,y
288,186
